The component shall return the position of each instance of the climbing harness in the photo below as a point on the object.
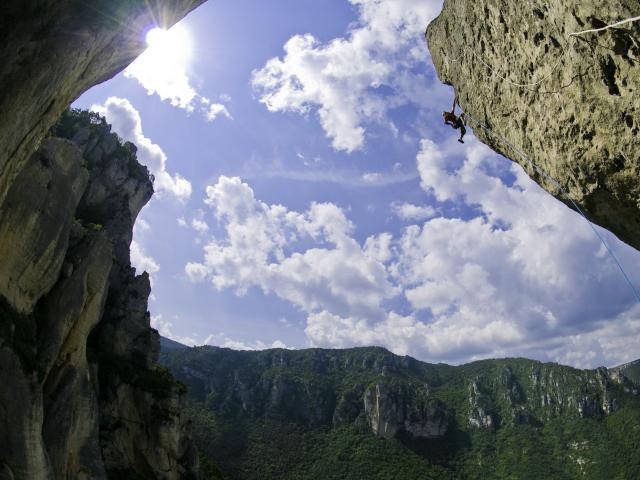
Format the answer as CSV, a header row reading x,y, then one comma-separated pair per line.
x,y
566,195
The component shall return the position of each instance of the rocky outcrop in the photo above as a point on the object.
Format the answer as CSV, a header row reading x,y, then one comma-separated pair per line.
x,y
390,395
630,371
393,409
256,416
35,222
480,414
53,50
313,389
544,392
71,307
571,103
82,394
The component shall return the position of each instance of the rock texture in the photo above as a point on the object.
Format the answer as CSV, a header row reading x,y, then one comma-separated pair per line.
x,y
53,50
35,222
577,114
82,394
392,409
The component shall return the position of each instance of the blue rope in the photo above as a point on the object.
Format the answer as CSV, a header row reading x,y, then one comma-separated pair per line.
x,y
566,194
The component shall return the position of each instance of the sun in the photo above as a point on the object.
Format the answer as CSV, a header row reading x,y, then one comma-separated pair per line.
x,y
168,48
164,66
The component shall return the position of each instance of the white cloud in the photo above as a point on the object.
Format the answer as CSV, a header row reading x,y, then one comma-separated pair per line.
x,y
260,250
162,68
141,261
196,272
125,121
409,211
165,328
371,177
197,222
199,225
215,110
406,335
221,340
141,226
343,78
508,281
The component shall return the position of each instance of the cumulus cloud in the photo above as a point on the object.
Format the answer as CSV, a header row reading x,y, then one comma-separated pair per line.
x,y
167,79
141,261
199,225
337,274
545,239
126,122
163,70
214,110
221,340
165,328
342,79
515,275
409,211
523,270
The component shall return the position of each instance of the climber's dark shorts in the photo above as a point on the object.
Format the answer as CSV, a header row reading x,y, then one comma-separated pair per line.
x,y
459,124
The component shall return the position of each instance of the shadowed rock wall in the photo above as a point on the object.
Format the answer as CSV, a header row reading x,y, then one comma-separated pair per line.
x,y
82,396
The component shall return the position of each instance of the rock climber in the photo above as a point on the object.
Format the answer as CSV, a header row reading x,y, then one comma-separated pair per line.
x,y
457,122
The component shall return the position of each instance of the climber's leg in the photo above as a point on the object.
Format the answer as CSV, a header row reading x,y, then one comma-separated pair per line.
x,y
463,131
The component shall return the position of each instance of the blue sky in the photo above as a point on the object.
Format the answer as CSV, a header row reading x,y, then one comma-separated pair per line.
x,y
308,194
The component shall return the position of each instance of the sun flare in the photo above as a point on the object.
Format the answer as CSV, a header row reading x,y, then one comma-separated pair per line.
x,y
171,46
163,67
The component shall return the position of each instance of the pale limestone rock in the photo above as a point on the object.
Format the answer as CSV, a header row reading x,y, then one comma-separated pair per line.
x,y
35,221
391,410
580,120
81,361
71,311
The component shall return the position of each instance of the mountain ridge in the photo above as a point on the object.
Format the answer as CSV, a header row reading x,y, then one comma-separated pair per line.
x,y
437,418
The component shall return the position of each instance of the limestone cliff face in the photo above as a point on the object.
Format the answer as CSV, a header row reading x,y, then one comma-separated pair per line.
x,y
577,114
267,415
82,395
392,396
392,409
313,388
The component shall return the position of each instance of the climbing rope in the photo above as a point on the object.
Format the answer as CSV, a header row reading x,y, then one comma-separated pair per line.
x,y
531,163
557,64
565,193
621,22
